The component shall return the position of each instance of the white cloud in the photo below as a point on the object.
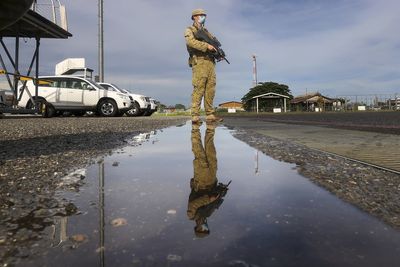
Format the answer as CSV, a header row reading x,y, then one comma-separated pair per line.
x,y
336,47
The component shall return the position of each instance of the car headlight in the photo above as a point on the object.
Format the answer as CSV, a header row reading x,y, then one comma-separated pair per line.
x,y
124,97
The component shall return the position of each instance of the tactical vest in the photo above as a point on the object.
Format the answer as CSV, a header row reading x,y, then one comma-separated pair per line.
x,y
194,52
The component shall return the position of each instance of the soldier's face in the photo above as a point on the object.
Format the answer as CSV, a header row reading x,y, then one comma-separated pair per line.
x,y
200,19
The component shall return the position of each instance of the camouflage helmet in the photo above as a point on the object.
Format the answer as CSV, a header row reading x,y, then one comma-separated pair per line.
x,y
198,11
201,231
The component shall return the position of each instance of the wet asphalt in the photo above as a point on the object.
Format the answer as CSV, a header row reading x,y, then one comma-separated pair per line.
x,y
305,141
35,153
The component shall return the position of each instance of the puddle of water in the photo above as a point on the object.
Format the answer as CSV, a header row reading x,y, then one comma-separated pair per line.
x,y
270,216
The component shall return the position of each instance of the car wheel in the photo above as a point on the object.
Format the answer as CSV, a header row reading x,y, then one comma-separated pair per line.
x,y
30,104
108,108
148,113
48,110
134,111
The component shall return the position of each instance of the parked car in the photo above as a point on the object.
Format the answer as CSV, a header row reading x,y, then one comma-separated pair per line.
x,y
141,103
153,107
76,95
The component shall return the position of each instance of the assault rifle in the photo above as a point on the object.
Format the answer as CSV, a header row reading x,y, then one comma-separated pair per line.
x,y
220,191
219,54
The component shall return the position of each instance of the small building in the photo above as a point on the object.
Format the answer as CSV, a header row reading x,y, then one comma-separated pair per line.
x,y
313,102
271,102
231,105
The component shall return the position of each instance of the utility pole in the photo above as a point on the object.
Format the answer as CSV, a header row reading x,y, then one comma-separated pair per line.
x,y
255,82
101,42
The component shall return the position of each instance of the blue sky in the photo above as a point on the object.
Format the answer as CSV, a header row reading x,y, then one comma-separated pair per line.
x,y
335,47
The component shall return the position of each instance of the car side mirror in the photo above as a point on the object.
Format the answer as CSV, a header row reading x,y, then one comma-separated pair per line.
x,y
91,88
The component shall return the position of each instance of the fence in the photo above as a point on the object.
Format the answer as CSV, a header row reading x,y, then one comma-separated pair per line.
x,y
369,102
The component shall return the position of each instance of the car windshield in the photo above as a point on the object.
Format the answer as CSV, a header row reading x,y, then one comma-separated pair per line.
x,y
116,87
105,86
120,89
98,85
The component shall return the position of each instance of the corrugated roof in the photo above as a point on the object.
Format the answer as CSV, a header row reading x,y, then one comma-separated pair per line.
x,y
311,98
229,102
270,95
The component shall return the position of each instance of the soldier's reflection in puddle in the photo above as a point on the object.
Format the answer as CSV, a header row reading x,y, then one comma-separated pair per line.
x,y
206,193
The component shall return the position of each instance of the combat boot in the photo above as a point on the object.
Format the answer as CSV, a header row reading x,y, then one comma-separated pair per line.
x,y
213,118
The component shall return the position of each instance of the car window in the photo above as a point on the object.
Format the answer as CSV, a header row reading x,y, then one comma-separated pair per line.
x,y
77,84
105,86
73,84
109,88
67,83
86,85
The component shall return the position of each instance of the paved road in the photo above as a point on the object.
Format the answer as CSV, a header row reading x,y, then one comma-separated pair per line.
x,y
382,122
372,147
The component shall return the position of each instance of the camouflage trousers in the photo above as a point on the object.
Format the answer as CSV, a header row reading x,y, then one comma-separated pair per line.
x,y
205,160
204,82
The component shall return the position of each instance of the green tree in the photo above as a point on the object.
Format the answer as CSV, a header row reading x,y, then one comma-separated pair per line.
x,y
263,88
180,106
161,107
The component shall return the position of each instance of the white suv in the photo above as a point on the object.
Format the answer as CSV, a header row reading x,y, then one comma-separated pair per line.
x,y
141,103
153,107
76,95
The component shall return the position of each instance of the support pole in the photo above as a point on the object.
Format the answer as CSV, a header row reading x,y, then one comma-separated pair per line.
x,y
257,104
28,73
7,53
284,104
3,65
16,67
37,71
101,42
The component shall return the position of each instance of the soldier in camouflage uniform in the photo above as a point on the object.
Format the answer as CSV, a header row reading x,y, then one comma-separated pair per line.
x,y
203,199
203,68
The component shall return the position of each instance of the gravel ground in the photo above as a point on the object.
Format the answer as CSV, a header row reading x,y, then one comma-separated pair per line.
x,y
35,153
382,122
372,190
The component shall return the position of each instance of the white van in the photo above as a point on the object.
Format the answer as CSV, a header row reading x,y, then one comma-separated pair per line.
x,y
76,95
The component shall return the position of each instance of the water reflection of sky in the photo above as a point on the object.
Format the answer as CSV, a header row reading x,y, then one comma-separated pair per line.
x,y
273,218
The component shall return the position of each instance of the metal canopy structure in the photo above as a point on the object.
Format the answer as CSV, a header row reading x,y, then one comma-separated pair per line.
x,y
33,25
30,25
272,95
